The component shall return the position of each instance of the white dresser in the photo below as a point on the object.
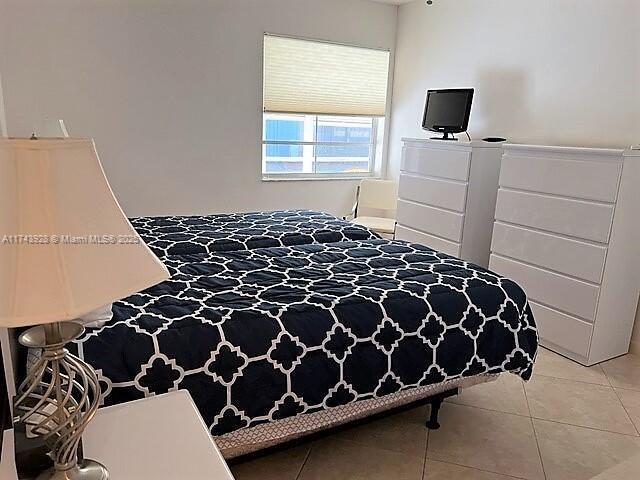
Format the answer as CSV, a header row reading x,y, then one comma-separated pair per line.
x,y
567,229
447,195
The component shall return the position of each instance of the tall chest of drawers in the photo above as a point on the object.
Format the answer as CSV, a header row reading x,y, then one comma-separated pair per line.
x,y
567,229
447,194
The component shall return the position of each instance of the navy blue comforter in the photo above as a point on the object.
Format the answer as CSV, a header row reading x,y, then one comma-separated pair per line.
x,y
257,335
244,231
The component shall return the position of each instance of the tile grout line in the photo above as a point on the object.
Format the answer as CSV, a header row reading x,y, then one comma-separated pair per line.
x,y
304,462
632,435
359,443
615,389
636,390
606,375
609,385
535,433
573,380
426,457
491,471
476,468
450,402
424,460
620,400
546,419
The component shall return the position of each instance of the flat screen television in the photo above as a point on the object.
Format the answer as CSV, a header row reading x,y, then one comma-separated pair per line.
x,y
447,111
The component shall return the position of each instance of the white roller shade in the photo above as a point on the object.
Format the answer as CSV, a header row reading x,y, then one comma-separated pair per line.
x,y
304,76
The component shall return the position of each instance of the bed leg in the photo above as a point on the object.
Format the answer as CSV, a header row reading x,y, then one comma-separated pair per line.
x,y
433,423
436,403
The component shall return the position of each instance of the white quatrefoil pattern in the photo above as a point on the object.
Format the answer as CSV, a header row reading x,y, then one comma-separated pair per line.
x,y
175,235
257,335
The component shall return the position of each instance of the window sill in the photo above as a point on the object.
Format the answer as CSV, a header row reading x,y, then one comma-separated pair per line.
x,y
286,178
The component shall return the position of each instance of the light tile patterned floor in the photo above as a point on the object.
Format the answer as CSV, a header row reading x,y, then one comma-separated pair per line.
x,y
568,423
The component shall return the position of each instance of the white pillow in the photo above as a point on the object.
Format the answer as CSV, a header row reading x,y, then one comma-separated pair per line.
x,y
96,318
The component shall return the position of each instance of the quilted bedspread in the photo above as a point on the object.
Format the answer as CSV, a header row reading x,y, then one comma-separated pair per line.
x,y
257,335
244,231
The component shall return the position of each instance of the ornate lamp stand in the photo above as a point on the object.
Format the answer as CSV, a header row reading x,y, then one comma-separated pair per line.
x,y
58,399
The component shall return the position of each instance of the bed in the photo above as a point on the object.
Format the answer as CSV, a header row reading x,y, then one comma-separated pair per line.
x,y
175,235
278,342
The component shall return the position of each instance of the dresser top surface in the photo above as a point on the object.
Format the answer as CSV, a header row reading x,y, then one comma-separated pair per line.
x,y
450,144
529,150
562,150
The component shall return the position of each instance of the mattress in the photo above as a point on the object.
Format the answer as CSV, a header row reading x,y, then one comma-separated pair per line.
x,y
176,235
258,336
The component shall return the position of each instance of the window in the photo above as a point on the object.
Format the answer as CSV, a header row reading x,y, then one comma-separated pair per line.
x,y
324,109
304,145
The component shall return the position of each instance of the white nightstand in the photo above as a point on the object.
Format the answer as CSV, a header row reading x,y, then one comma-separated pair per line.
x,y
7,462
157,438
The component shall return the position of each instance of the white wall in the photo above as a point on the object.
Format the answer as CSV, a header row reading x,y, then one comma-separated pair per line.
x,y
172,91
560,72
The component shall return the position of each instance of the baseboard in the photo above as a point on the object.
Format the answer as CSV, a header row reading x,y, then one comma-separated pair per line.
x,y
635,347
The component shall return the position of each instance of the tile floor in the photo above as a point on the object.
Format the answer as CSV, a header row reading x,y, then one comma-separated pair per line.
x,y
568,423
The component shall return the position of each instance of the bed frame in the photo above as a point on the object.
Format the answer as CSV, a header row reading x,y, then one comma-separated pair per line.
x,y
269,435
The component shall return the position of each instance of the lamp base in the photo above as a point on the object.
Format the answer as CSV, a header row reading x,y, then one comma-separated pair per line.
x,y
86,470
57,399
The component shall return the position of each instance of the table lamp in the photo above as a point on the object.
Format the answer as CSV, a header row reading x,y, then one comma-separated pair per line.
x,y
66,249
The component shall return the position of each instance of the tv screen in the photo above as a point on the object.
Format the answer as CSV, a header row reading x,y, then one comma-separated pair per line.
x,y
447,110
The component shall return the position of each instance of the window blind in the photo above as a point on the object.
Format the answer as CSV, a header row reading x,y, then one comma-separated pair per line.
x,y
304,76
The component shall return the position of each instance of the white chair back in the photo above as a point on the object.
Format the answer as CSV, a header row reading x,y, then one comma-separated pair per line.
x,y
377,194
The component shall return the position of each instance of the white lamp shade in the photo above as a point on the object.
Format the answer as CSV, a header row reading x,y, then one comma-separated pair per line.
x,y
66,247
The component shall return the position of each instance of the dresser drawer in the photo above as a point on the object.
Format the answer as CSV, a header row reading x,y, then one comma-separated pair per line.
x,y
567,294
435,162
439,244
562,330
591,180
576,218
575,258
432,191
436,221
